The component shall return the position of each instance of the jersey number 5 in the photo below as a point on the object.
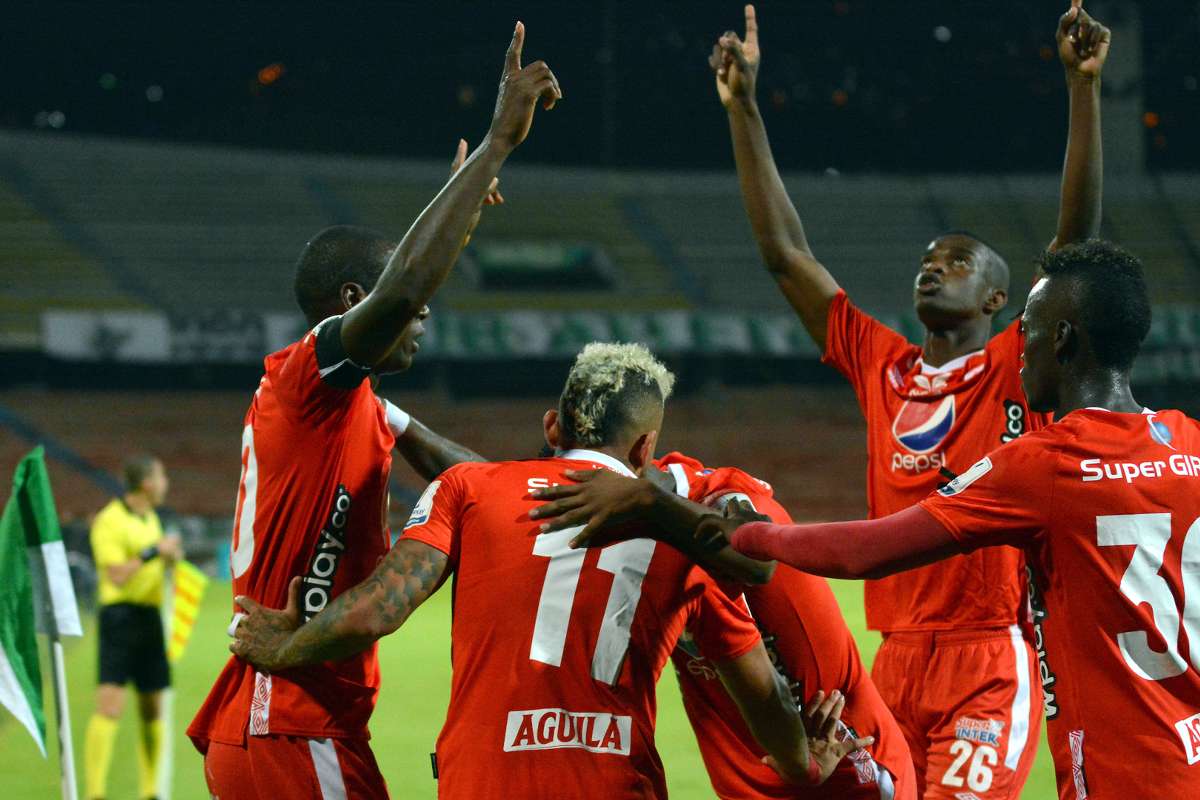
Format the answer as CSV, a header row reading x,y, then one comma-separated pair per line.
x,y
627,561
1143,583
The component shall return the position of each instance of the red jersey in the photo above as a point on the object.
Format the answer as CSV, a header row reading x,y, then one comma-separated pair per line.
x,y
312,501
556,651
922,421
802,627
1107,507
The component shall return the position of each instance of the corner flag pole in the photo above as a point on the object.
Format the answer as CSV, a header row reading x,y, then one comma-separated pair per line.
x,y
62,708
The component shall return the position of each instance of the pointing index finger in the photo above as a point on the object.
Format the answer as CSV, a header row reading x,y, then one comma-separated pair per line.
x,y
751,26
512,59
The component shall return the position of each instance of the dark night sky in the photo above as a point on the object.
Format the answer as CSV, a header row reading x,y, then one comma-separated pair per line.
x,y
848,83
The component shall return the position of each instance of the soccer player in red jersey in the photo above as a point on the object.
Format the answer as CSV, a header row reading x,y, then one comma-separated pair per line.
x,y
555,650
954,660
797,615
810,645
1105,503
316,455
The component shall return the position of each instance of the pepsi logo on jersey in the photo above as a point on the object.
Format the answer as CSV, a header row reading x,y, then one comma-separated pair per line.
x,y
920,428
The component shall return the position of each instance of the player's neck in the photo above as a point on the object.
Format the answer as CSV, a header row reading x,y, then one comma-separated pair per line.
x,y
138,503
945,345
1100,389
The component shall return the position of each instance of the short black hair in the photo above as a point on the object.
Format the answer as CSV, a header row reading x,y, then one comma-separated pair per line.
x,y
996,267
1112,298
136,469
336,256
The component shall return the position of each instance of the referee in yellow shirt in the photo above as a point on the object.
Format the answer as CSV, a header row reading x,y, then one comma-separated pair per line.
x,y
131,559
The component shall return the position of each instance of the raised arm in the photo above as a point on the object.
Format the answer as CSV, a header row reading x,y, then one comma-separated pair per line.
x,y
804,281
1082,48
273,640
427,252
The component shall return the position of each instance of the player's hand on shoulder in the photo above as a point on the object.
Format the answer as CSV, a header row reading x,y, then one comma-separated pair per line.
x,y
1082,42
715,531
601,501
828,743
260,633
521,88
735,63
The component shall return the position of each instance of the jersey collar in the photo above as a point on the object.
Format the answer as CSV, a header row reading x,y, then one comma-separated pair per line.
x,y
600,458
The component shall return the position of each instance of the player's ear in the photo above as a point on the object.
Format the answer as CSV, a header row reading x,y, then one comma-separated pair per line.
x,y
1066,341
351,295
996,300
550,428
641,454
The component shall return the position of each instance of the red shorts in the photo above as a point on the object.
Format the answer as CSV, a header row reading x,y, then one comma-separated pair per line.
x,y
270,767
970,706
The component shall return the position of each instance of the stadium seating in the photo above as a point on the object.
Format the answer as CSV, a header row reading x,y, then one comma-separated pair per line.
x,y
818,472
107,224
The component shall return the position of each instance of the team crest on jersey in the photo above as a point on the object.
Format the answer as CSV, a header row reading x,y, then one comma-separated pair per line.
x,y
1159,432
424,507
922,427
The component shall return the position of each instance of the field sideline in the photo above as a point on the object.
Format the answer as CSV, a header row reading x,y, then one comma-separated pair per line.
x,y
416,685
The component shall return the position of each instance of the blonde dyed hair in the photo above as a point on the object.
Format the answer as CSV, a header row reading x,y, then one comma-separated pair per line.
x,y
605,381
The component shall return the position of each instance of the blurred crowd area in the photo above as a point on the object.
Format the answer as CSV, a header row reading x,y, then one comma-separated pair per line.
x,y
849,85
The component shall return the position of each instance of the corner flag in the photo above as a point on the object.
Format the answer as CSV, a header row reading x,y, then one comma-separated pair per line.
x,y
37,591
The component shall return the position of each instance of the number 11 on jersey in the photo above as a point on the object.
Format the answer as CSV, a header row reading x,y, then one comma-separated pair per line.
x,y
627,561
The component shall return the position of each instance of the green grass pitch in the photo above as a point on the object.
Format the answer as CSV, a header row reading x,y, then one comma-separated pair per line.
x,y
412,705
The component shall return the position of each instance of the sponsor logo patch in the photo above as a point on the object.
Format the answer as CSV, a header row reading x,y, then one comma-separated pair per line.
x,y
984,731
557,728
1014,421
1189,734
980,468
922,426
424,507
317,583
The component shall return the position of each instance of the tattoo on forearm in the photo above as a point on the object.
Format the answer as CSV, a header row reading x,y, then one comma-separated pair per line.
x,y
405,578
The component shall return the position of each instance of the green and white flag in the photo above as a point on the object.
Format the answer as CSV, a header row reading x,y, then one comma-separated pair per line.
x,y
35,591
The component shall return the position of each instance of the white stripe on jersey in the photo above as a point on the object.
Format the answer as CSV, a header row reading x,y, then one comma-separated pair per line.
x,y
1018,734
329,771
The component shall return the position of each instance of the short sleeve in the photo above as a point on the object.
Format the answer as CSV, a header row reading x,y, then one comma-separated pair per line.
x,y
436,518
1004,498
855,342
318,379
721,625
335,368
109,545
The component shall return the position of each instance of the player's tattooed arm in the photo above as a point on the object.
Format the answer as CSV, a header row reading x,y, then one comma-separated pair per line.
x,y
273,639
1082,48
602,503
420,264
804,281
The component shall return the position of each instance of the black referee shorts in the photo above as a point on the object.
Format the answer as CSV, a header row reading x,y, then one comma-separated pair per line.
x,y
132,647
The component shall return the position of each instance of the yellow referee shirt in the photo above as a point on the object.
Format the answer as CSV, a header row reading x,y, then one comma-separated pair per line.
x,y
118,535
